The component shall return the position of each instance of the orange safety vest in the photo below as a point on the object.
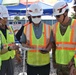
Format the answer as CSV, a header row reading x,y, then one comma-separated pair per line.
x,y
34,57
65,45
26,23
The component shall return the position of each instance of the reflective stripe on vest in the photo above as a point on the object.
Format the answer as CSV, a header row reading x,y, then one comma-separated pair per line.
x,y
0,63
46,33
0,50
0,41
65,45
10,39
34,57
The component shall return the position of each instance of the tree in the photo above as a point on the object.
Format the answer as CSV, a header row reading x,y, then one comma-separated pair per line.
x,y
73,15
23,18
17,18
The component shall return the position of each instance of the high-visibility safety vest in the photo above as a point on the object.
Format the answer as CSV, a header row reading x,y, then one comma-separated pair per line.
x,y
65,44
26,23
34,57
0,42
0,50
10,39
0,62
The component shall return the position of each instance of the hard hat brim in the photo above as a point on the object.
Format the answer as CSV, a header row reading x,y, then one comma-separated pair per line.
x,y
36,14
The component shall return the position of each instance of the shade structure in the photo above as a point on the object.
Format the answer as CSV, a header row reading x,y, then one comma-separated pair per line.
x,y
20,9
9,2
15,2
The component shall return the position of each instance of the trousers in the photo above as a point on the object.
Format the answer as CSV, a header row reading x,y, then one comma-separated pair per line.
x,y
38,70
7,67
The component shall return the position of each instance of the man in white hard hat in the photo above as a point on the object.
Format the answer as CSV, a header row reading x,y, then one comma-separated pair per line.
x,y
0,36
2,49
8,41
64,32
37,36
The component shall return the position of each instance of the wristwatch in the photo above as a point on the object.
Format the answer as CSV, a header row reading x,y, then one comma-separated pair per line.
x,y
9,49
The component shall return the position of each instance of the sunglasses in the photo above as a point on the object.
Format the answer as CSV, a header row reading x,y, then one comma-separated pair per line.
x,y
0,18
36,16
58,16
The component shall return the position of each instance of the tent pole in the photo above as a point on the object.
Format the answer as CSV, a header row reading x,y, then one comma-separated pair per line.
x,y
24,50
26,5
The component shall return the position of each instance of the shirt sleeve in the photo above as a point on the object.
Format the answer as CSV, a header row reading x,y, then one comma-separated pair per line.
x,y
23,38
51,37
19,33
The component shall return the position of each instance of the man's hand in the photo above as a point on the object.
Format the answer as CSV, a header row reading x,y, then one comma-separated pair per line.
x,y
18,56
14,47
73,70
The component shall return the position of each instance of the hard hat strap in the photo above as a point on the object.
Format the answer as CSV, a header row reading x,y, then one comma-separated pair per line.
x,y
64,17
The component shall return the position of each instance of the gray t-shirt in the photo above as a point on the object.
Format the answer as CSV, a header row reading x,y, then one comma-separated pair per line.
x,y
37,31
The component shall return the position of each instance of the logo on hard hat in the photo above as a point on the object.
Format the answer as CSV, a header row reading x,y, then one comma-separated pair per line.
x,y
36,10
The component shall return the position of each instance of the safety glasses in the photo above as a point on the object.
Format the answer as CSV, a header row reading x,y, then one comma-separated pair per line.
x,y
36,16
57,16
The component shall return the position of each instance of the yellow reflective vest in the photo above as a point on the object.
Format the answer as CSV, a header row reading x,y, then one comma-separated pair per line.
x,y
0,50
66,44
10,39
0,62
34,57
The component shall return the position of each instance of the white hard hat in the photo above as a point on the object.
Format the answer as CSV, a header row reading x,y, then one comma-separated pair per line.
x,y
4,11
35,10
60,7
1,15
